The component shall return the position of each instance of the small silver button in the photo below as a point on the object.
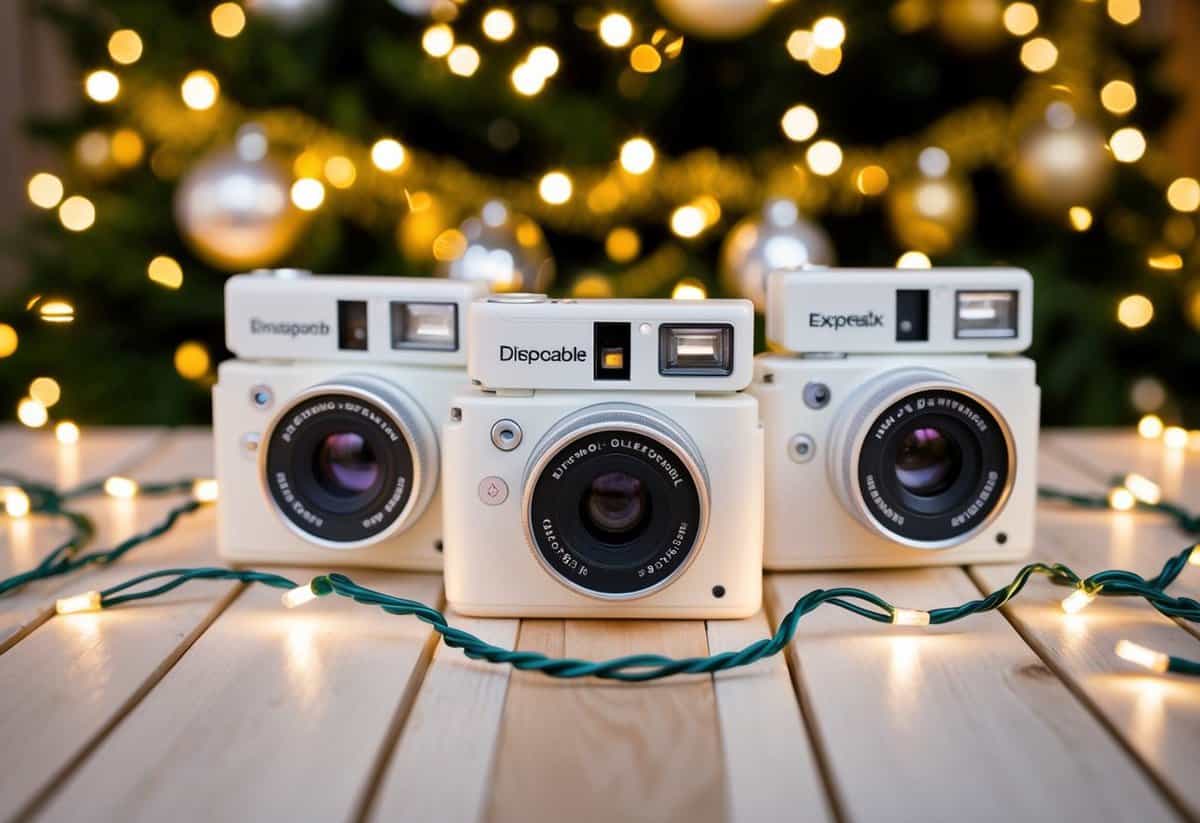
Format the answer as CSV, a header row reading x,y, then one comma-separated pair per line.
x,y
518,297
283,274
492,491
506,435
802,448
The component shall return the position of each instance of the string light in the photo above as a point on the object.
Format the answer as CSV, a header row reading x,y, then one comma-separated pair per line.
x,y
825,61
200,90
308,193
1183,194
8,340
1039,55
463,60
828,33
687,221
45,390
555,188
102,86
1118,96
66,433
191,360
824,157
1142,656
86,602
871,180
527,80
56,311
1124,12
228,19
914,260
45,190
1167,261
31,413
205,489
645,59
299,596
16,502
1080,218
127,148
165,271
689,289
437,40
1150,427
1135,311
622,244
1077,601
77,213
1143,488
1175,437
387,154
120,487
1121,499
1020,18
340,171
616,30
637,155
1127,144
800,45
498,25
910,617
799,123
125,46
543,60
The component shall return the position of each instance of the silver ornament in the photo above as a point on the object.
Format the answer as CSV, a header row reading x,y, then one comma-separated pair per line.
x,y
503,248
234,208
778,238
1061,162
289,13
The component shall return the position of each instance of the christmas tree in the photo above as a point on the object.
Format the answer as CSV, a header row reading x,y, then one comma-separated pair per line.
x,y
644,149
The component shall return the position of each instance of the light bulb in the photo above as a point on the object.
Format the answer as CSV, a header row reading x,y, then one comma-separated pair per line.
x,y
910,617
1121,499
1077,601
86,602
16,502
1142,656
123,487
1143,488
205,489
299,596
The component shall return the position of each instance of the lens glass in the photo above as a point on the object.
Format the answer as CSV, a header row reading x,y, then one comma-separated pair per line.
x,y
928,461
615,505
345,464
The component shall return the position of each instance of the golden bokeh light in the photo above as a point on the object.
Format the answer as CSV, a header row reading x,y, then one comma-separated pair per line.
x,y
1118,96
340,172
45,190
689,289
645,59
527,80
437,40
914,260
871,180
498,25
45,390
824,157
1080,218
463,60
8,340
1124,12
388,155
828,33
1020,18
622,244
125,46
192,360
544,60
127,148
308,193
637,155
228,19
616,30
200,90
555,188
799,123
77,213
56,311
800,44
1183,194
1165,261
1127,144
688,221
1150,426
165,271
102,86
32,413
66,433
1135,311
825,61
1039,55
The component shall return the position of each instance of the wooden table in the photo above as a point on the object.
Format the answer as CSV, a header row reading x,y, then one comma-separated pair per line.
x,y
215,703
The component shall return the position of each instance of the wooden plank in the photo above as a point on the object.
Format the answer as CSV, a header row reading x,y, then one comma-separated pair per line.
x,y
272,714
602,751
928,723
1100,454
442,765
771,769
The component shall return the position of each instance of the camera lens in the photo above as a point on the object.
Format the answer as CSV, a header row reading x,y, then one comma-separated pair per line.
x,y
614,505
928,461
616,501
348,463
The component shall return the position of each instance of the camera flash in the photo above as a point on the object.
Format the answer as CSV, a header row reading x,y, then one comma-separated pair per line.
x,y
425,326
696,350
986,314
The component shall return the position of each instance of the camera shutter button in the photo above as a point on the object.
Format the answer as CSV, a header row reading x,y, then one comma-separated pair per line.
x,y
493,491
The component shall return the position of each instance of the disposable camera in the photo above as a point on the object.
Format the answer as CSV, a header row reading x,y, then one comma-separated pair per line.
x,y
326,423
901,424
607,463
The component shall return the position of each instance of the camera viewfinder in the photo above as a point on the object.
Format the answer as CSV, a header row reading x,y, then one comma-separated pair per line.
x,y
696,350
912,315
432,326
352,325
611,355
985,314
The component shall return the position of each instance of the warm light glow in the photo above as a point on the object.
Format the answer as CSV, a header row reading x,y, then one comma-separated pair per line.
x,y
102,86
165,271
910,617
687,221
914,260
1183,194
1127,144
16,502
200,90
1020,18
45,190
298,596
871,180
192,360
308,193
1077,601
125,46
340,171
1124,11
463,60
616,30
57,311
1080,217
499,25
8,340
77,213
438,40
1142,656
67,433
825,61
637,155
86,602
1175,437
645,59
387,154
1166,261
622,244
205,489
1150,426
1118,97
1039,54
689,290
800,44
1194,556
824,157
32,413
1121,499
122,487
828,33
543,60
127,148
799,123
527,80
1135,311
228,19
1143,488
555,188
45,390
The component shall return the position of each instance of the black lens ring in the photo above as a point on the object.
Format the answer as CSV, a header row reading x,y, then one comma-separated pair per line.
x,y
981,486
297,493
608,568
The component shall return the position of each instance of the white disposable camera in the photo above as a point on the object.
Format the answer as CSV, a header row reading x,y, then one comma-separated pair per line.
x,y
326,423
608,463
901,426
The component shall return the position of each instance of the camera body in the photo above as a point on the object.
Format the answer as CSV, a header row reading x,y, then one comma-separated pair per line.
x,y
325,425
607,464
901,424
